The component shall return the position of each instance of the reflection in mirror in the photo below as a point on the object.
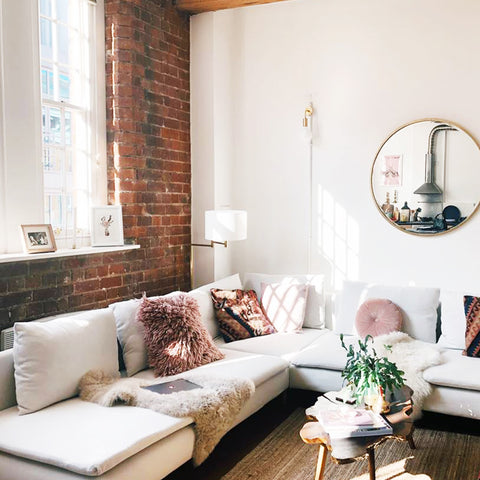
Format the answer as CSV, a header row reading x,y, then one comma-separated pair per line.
x,y
424,177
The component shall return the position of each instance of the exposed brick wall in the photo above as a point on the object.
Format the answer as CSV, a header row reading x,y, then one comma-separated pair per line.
x,y
148,125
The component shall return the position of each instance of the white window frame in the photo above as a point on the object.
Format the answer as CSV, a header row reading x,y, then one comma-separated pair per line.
x,y
21,172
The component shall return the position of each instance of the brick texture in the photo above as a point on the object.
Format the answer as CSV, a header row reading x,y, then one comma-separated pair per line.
x,y
148,142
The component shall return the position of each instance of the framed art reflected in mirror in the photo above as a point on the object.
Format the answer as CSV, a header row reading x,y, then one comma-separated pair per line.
x,y
423,178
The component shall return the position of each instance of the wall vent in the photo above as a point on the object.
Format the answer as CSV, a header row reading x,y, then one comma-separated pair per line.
x,y
6,339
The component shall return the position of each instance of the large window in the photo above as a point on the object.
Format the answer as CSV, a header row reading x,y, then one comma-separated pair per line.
x,y
67,70
52,117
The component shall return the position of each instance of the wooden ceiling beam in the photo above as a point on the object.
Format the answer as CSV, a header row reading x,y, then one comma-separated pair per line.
x,y
200,6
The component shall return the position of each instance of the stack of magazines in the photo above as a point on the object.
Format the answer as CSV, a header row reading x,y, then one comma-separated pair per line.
x,y
345,422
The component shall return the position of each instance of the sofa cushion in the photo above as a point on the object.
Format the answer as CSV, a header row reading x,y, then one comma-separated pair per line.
x,y
453,322
84,437
418,304
175,336
240,315
51,357
325,353
455,371
282,345
315,308
285,305
258,368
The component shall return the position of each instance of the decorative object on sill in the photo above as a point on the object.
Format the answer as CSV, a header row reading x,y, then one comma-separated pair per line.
x,y
38,238
369,375
222,226
440,161
107,226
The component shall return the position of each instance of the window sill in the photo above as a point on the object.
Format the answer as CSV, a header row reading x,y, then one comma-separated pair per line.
x,y
66,252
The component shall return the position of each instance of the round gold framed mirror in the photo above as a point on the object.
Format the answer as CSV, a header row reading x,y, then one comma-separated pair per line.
x,y
424,177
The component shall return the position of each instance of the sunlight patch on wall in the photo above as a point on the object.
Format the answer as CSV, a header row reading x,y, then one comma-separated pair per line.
x,y
338,238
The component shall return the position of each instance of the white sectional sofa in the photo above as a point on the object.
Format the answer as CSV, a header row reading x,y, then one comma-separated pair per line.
x,y
73,439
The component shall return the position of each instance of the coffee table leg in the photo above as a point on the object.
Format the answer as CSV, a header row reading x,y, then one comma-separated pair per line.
x,y
410,441
371,462
321,462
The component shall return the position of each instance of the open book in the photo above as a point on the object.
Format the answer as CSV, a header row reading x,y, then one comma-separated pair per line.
x,y
345,422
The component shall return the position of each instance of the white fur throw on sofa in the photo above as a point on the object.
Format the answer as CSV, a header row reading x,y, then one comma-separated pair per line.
x,y
413,357
213,407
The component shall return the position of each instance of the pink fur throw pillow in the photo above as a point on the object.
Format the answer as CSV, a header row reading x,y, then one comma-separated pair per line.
x,y
175,336
378,316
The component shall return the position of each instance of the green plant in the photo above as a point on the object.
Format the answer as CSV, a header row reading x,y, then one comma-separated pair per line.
x,y
365,370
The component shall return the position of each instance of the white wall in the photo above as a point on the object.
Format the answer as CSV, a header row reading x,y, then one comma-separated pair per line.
x,y
20,159
369,67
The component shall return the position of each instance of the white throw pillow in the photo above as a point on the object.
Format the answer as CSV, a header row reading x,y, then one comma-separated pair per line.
x,y
418,304
285,305
207,312
130,335
51,357
315,308
454,322
347,302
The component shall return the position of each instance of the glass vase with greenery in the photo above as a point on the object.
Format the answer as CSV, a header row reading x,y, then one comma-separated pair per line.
x,y
369,375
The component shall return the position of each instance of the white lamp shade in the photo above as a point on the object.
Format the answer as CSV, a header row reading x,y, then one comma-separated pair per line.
x,y
225,225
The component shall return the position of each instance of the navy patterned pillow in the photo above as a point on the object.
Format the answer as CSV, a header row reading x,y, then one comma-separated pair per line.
x,y
472,333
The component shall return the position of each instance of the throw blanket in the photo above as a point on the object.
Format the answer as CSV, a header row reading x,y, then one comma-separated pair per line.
x,y
213,408
413,357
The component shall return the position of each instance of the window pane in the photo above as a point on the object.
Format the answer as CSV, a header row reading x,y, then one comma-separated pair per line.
x,y
46,38
47,82
68,128
52,160
64,86
46,7
62,43
55,125
62,10
54,210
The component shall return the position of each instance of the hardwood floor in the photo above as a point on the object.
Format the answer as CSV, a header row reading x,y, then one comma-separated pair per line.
x,y
267,446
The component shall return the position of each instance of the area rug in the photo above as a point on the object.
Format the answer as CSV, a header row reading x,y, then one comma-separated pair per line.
x,y
413,357
282,455
213,408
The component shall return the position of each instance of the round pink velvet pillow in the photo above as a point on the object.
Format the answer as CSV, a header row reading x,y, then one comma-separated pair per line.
x,y
378,316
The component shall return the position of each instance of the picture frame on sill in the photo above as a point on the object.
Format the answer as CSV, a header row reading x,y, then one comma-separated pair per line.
x,y
38,238
106,226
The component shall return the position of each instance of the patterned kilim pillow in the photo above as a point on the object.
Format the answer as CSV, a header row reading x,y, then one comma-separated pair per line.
x,y
472,333
239,314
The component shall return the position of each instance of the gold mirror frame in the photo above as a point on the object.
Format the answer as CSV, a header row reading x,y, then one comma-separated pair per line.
x,y
372,172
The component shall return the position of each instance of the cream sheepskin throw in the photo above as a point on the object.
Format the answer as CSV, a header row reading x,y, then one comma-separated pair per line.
x,y
413,357
213,408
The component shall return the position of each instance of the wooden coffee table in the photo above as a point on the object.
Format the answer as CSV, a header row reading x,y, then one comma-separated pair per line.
x,y
347,450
